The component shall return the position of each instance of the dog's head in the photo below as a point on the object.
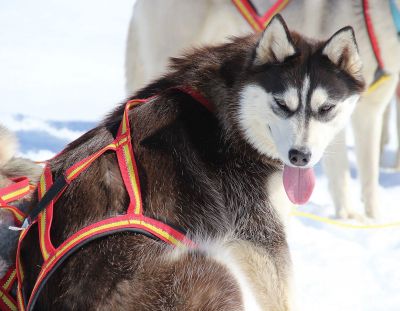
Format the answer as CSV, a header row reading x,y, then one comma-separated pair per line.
x,y
298,93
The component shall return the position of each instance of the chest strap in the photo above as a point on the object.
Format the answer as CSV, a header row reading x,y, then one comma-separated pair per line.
x,y
132,221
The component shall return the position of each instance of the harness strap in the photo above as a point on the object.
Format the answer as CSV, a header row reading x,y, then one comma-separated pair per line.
x,y
18,215
46,216
371,34
71,174
7,302
17,190
132,221
257,22
127,163
20,273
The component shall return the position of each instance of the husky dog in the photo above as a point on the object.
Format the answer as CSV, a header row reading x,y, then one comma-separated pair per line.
x,y
155,34
10,167
278,99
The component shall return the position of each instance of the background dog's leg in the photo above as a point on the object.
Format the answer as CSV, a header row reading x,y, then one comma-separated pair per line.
x,y
336,167
398,125
367,125
385,129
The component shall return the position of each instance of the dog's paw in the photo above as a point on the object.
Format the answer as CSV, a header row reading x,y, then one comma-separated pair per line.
x,y
372,212
342,213
350,214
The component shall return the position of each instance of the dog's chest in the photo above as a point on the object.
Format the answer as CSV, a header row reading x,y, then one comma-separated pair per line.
x,y
277,197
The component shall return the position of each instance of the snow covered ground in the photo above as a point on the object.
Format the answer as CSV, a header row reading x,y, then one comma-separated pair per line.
x,y
62,69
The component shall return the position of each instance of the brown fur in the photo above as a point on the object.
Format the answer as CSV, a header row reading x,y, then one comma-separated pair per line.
x,y
196,172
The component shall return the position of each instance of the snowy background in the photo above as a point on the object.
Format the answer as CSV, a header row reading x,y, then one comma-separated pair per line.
x,y
62,69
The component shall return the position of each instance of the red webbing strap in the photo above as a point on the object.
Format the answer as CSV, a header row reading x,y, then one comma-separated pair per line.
x,y
132,220
197,96
74,171
371,34
258,23
18,215
127,163
17,190
45,218
7,302
20,273
114,224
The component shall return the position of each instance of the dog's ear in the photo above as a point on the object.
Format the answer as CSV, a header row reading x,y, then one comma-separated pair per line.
x,y
275,44
342,50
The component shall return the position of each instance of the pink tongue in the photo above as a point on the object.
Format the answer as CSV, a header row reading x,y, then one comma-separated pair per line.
x,y
299,183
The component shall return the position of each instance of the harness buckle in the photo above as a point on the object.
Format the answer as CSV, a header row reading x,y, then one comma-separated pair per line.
x,y
24,225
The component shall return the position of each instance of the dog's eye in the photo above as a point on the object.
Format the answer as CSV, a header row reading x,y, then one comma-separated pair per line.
x,y
326,108
281,103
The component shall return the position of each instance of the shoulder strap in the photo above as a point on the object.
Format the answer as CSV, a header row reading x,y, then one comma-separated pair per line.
x,y
7,302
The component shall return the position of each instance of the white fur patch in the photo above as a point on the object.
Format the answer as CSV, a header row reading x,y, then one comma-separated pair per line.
x,y
290,97
305,90
8,145
341,42
254,115
278,197
318,98
274,42
224,257
220,252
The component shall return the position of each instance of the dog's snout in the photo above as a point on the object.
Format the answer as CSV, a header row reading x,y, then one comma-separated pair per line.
x,y
299,157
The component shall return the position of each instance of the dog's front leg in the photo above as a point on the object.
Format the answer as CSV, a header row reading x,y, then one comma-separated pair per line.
x,y
367,125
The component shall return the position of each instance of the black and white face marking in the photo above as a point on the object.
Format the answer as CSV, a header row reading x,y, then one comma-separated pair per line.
x,y
317,120
302,121
298,98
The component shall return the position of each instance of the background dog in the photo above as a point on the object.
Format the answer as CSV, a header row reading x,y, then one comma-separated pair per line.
x,y
160,28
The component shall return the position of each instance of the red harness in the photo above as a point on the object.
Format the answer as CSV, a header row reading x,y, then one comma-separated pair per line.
x,y
49,192
17,190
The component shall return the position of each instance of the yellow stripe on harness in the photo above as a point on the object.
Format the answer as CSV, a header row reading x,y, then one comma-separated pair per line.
x,y
16,193
8,302
7,284
377,83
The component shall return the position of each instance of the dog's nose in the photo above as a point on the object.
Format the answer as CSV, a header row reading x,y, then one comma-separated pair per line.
x,y
299,157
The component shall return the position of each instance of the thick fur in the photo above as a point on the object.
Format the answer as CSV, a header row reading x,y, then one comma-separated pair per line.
x,y
199,171
10,167
150,44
